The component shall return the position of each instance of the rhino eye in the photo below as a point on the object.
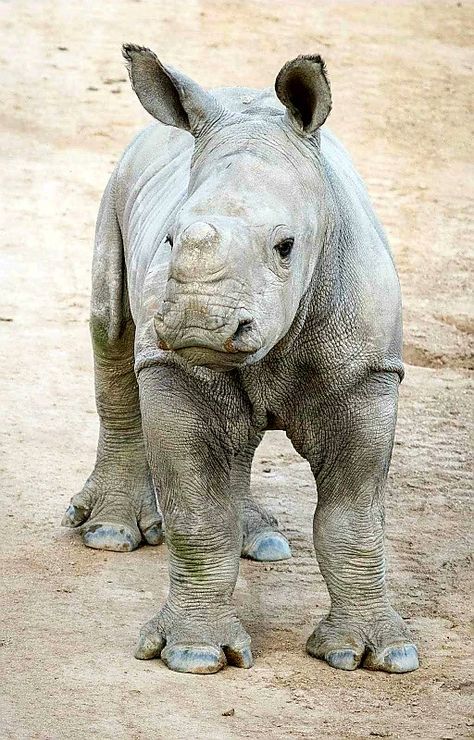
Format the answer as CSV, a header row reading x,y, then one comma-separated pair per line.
x,y
284,247
169,240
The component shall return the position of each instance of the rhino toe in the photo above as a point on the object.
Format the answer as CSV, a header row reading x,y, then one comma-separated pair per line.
x,y
193,658
393,659
150,643
345,660
154,535
116,537
73,516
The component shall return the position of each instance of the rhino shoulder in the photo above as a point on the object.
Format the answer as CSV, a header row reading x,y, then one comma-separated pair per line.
x,y
152,150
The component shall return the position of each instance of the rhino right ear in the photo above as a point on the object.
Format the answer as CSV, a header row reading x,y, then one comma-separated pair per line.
x,y
303,88
168,95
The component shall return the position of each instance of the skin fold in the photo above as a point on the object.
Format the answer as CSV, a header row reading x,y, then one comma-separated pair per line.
x,y
242,282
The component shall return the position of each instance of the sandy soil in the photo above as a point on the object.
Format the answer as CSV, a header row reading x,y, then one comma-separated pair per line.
x,y
401,75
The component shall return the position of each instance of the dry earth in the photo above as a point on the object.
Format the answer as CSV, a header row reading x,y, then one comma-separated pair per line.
x,y
402,82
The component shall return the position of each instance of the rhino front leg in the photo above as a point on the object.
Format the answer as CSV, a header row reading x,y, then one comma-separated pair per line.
x,y
261,537
117,504
190,454
351,469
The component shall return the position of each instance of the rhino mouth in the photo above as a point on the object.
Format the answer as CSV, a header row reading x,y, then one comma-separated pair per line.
x,y
212,358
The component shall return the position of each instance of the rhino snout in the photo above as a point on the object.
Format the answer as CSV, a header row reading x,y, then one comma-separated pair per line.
x,y
238,336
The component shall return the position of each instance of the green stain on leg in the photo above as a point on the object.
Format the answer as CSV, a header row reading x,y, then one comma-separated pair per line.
x,y
190,563
100,339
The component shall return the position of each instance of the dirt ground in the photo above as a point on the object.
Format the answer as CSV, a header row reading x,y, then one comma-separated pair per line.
x,y
402,83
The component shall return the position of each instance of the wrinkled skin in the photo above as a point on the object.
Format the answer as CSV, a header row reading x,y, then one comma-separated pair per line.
x,y
242,282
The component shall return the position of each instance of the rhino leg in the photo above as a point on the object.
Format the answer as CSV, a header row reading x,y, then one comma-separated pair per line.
x,y
261,538
117,504
361,628
190,455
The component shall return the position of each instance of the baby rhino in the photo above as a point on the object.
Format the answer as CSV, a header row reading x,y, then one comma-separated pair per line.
x,y
241,282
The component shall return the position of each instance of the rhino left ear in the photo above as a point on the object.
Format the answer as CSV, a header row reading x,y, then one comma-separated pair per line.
x,y
168,95
303,88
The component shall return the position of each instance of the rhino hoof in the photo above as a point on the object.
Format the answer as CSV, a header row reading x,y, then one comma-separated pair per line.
x,y
193,658
380,644
73,516
345,660
393,659
154,535
267,547
117,537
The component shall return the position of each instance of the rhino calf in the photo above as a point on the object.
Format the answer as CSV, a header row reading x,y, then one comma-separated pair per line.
x,y
241,282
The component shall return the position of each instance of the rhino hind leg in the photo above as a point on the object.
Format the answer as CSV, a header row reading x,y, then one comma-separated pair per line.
x,y
117,505
116,508
262,539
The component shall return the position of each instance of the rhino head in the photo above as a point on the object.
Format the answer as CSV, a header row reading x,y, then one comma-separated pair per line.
x,y
248,235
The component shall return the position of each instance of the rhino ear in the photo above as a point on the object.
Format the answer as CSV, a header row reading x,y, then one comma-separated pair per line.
x,y
303,88
167,94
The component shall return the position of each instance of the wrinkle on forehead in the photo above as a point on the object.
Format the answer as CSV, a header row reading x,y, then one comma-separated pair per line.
x,y
249,144
244,167
257,195
256,137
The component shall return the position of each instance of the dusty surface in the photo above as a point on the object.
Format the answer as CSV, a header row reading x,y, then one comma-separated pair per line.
x,y
401,75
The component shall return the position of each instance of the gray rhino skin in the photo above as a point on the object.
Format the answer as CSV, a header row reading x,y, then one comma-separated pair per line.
x,y
241,282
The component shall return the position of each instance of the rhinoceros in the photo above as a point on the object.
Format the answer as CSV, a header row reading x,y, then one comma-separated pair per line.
x,y
242,282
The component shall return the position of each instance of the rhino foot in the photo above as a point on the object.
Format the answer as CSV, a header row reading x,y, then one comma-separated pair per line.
x,y
194,645
380,644
261,538
266,546
116,519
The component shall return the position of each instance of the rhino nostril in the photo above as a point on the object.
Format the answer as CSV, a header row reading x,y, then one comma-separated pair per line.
x,y
242,339
244,326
